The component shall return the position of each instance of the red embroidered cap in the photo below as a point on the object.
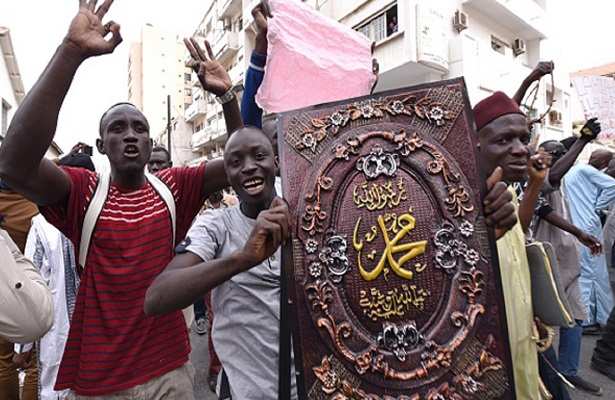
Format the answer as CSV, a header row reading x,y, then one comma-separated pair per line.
x,y
493,107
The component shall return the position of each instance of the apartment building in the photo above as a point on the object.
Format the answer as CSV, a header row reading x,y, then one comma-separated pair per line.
x,y
157,73
493,44
12,91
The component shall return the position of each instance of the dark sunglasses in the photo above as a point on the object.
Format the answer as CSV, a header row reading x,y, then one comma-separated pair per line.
x,y
557,153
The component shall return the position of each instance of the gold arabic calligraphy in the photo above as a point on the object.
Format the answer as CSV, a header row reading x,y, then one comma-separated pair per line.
x,y
400,226
392,303
378,197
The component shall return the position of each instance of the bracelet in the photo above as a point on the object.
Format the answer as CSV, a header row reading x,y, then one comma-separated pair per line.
x,y
226,97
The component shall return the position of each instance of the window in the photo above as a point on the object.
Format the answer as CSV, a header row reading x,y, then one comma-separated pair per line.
x,y
381,26
498,45
187,77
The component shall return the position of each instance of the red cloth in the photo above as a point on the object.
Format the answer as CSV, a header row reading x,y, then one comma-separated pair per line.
x,y
494,106
112,345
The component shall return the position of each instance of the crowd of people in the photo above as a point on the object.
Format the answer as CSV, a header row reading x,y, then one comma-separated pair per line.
x,y
94,308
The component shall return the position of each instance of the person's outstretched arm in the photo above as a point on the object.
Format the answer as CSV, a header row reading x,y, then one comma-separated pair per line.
x,y
196,276
594,245
543,68
251,113
215,79
538,167
589,132
22,163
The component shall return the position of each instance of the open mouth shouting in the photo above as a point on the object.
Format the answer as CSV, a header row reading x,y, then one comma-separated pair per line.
x,y
254,186
131,151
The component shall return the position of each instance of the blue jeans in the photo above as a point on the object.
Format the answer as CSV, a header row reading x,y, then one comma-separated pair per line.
x,y
549,377
569,349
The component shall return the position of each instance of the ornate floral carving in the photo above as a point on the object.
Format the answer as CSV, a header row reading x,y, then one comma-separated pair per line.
x,y
333,255
466,228
398,339
449,248
315,269
433,112
434,356
311,246
378,163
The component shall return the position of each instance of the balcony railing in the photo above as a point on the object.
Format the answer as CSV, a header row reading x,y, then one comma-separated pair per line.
x,y
195,110
228,8
201,137
226,46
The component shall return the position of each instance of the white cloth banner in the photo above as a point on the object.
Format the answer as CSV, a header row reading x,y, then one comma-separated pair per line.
x,y
597,97
312,59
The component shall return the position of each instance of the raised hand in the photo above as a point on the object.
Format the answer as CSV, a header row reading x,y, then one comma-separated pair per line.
x,y
271,230
87,32
211,73
590,130
260,13
498,207
543,68
539,165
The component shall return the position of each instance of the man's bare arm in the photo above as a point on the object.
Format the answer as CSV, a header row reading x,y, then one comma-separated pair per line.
x,y
188,277
543,68
32,129
215,79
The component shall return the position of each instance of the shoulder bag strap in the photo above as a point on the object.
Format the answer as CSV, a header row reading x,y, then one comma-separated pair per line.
x,y
99,197
165,193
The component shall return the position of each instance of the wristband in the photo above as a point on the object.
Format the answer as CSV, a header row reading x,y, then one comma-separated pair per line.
x,y
226,97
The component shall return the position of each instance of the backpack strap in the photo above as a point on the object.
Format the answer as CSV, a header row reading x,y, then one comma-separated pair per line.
x,y
165,193
99,197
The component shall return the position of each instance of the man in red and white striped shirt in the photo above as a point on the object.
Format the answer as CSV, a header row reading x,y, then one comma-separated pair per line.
x,y
113,350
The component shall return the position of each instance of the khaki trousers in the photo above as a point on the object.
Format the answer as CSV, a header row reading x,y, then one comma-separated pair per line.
x,y
175,384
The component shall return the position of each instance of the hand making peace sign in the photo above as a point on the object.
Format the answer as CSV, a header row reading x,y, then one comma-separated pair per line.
x,y
211,73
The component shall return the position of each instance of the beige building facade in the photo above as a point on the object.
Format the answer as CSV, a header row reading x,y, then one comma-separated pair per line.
x,y
157,72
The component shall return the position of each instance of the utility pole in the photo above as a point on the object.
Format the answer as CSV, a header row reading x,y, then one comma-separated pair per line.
x,y
169,123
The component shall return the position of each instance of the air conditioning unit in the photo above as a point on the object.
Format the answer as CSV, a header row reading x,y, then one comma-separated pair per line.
x,y
555,117
518,46
460,20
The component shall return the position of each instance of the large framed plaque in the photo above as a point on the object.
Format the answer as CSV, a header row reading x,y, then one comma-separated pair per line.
x,y
391,269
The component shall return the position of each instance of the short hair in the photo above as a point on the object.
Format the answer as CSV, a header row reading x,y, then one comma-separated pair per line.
x,y
162,149
78,160
121,103
546,142
247,127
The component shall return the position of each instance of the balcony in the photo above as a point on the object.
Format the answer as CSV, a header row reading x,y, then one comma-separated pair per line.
x,y
523,17
200,138
195,110
226,46
215,154
228,8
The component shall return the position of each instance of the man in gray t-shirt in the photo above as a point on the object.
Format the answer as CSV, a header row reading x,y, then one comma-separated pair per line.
x,y
236,254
